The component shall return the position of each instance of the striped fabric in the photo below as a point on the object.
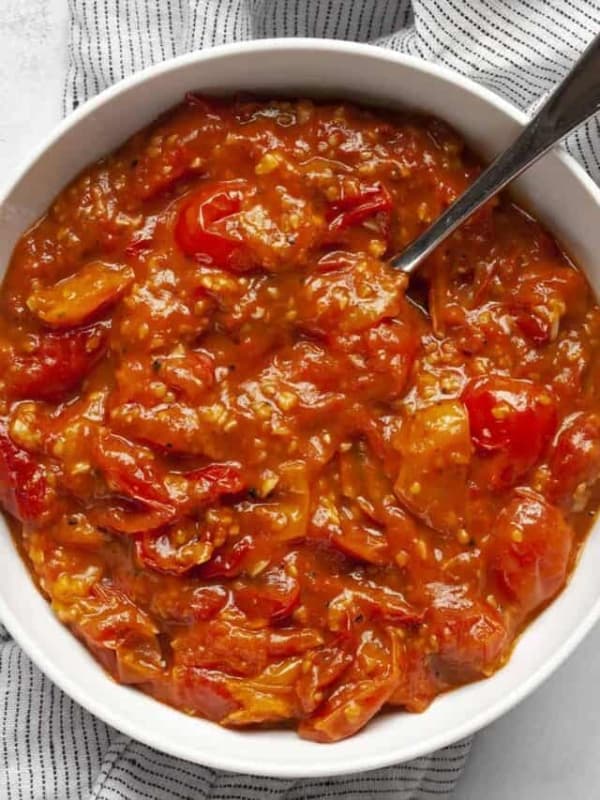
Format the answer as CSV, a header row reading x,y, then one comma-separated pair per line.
x,y
50,748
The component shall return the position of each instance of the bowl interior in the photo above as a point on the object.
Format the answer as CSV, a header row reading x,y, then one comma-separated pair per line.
x,y
558,191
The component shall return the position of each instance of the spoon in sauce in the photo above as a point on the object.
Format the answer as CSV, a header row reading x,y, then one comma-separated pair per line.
x,y
575,99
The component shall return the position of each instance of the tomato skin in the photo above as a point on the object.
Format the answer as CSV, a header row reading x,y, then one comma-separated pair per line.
x,y
142,239
96,285
533,327
134,478
23,485
418,684
334,260
529,551
325,666
286,642
58,364
273,595
351,210
203,691
110,621
189,604
238,650
360,543
543,295
371,603
132,474
471,637
228,562
205,486
332,722
200,232
215,480
575,457
157,550
512,418
129,475
351,705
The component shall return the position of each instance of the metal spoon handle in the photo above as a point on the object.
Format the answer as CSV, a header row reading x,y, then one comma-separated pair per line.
x,y
572,102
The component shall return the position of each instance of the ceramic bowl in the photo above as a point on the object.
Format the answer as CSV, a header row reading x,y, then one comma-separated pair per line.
x,y
559,192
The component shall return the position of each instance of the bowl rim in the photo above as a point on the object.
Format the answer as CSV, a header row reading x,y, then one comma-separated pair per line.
x,y
237,762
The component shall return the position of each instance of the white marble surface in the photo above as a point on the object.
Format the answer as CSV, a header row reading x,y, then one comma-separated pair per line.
x,y
546,749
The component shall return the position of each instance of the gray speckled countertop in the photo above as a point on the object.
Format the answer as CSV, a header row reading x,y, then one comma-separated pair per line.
x,y
546,749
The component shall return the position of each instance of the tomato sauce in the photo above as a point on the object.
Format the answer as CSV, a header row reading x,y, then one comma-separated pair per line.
x,y
260,476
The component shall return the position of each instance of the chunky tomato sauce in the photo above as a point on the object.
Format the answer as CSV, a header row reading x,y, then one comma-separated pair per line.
x,y
256,473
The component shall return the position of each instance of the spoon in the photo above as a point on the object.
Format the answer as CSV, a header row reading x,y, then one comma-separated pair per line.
x,y
574,100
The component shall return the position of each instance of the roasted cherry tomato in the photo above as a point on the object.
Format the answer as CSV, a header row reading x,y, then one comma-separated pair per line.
x,y
131,474
368,603
543,295
57,363
202,691
180,601
353,209
97,286
354,703
189,374
174,551
273,596
418,683
130,471
575,460
324,666
362,542
23,484
208,484
228,562
529,551
113,625
347,710
472,638
512,418
204,227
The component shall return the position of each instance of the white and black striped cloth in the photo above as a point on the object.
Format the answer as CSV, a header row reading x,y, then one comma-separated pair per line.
x,y
51,749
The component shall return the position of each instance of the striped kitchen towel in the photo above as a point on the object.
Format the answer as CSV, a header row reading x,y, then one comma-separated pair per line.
x,y
51,749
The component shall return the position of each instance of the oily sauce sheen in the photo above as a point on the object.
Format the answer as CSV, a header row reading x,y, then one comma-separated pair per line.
x,y
259,476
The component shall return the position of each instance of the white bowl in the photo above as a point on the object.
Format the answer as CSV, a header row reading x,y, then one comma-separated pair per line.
x,y
557,189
